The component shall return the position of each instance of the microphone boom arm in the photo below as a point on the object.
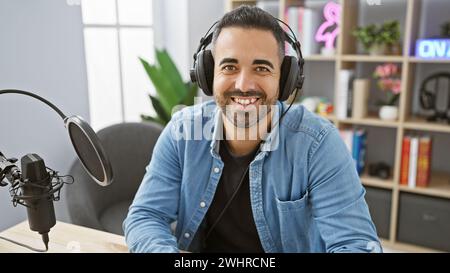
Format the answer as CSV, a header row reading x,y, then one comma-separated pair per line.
x,y
51,105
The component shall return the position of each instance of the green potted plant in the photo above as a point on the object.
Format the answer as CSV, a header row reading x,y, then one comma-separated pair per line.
x,y
170,88
390,35
368,37
380,39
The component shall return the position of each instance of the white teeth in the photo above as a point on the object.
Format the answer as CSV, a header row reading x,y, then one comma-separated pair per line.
x,y
245,101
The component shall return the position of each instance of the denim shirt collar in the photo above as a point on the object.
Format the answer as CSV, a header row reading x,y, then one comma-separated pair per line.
x,y
269,144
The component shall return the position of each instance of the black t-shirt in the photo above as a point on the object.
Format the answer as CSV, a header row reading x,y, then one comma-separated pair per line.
x,y
236,230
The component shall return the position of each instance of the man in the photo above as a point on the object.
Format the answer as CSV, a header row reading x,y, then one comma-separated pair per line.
x,y
266,180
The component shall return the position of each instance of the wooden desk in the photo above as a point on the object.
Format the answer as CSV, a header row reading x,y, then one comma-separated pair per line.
x,y
63,238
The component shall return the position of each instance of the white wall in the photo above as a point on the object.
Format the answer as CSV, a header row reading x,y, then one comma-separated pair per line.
x,y
202,14
179,25
41,50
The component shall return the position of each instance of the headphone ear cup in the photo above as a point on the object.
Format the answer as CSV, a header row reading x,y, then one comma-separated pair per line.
x,y
289,77
427,99
205,71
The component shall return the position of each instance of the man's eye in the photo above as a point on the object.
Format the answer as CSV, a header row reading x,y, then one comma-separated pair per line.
x,y
229,68
262,69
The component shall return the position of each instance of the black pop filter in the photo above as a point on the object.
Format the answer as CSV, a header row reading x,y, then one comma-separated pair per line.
x,y
89,150
85,142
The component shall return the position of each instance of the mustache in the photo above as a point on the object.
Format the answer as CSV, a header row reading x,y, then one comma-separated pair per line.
x,y
240,93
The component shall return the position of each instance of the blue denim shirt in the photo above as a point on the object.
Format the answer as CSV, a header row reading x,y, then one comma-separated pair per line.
x,y
305,193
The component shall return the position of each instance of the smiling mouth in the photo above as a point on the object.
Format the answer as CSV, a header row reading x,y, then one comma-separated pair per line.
x,y
245,101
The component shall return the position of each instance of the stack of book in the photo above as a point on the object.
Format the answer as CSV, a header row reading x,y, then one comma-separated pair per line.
x,y
344,94
304,21
356,142
416,161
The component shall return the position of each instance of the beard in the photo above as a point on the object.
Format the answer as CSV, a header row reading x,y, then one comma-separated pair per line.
x,y
250,115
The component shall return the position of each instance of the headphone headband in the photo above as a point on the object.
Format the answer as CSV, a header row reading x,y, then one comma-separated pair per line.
x,y
207,39
291,68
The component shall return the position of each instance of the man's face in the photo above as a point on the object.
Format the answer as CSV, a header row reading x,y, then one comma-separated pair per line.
x,y
246,74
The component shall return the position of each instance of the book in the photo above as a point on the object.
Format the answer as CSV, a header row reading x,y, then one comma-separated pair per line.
x,y
412,173
404,167
347,137
424,162
359,149
292,19
342,96
310,23
304,23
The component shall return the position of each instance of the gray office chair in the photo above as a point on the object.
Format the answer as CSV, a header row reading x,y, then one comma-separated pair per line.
x,y
129,147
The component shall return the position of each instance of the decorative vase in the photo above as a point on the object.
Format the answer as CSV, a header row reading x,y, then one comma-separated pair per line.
x,y
377,50
361,89
388,112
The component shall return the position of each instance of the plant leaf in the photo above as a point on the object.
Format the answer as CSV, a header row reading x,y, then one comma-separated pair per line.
x,y
170,70
190,95
160,111
167,96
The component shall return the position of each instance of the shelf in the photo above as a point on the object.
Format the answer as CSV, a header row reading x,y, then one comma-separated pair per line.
x,y
369,58
433,61
370,121
416,123
439,186
331,118
320,58
376,182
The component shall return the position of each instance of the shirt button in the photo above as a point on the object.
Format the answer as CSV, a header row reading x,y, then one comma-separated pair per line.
x,y
216,170
187,235
202,204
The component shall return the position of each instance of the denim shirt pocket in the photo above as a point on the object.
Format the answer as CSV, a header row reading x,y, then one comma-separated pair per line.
x,y
294,224
291,205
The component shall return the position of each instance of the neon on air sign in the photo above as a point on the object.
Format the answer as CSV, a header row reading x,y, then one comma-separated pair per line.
x,y
433,48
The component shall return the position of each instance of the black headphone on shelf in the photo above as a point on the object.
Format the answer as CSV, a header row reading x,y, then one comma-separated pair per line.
x,y
427,96
291,78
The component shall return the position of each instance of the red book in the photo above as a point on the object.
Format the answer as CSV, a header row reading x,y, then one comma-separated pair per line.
x,y
404,171
424,162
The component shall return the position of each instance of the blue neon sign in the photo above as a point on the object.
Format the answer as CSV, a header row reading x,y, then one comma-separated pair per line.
x,y
433,48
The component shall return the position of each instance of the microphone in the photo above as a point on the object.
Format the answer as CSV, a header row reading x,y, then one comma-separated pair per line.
x,y
35,188
38,195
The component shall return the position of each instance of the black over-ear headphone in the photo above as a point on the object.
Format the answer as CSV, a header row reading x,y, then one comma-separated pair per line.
x,y
291,78
427,96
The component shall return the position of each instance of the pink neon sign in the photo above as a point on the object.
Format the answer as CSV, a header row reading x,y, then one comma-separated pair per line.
x,y
332,14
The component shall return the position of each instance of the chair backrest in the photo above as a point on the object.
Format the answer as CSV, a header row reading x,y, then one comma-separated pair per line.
x,y
129,147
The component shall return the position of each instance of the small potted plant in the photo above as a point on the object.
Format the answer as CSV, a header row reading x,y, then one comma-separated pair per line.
x,y
390,35
388,78
380,39
368,36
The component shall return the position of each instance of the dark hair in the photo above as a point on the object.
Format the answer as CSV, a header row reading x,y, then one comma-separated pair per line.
x,y
252,17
